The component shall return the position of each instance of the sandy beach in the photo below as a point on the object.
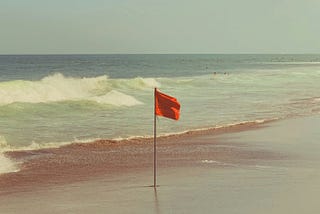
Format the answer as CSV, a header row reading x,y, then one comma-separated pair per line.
x,y
231,89
253,168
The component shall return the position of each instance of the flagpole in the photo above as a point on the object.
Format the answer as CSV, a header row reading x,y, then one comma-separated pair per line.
x,y
154,143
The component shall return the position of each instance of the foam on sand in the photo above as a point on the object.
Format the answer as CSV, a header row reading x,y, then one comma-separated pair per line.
x,y
7,165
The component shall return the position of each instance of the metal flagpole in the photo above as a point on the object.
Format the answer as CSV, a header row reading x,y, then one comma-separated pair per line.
x,y
154,143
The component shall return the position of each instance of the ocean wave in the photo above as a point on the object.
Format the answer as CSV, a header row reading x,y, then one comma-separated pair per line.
x,y
5,147
58,88
116,98
138,83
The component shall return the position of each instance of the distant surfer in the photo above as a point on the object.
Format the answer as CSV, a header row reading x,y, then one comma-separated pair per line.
x,y
214,74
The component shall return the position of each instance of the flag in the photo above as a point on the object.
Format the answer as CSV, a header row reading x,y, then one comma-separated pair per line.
x,y
166,106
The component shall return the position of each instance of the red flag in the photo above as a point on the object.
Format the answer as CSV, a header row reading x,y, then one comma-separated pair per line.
x,y
166,106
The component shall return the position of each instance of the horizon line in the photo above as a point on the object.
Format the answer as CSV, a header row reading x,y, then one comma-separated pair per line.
x,y
48,54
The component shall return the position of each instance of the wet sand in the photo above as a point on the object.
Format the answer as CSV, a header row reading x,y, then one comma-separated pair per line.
x,y
266,168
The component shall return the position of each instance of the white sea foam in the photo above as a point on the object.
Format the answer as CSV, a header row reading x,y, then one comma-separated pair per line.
x,y
7,165
218,163
5,147
37,146
209,161
116,98
56,88
146,82
135,83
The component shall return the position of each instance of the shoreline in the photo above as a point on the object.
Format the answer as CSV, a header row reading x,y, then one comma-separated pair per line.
x,y
218,129
84,161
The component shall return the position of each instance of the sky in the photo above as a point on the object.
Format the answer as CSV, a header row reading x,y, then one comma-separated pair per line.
x,y
159,26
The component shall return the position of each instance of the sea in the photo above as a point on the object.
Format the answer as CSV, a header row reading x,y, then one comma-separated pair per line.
x,y
53,100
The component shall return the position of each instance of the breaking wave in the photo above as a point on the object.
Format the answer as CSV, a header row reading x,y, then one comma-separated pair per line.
x,y
57,88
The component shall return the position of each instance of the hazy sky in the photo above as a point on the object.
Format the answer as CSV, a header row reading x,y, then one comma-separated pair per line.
x,y
159,26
